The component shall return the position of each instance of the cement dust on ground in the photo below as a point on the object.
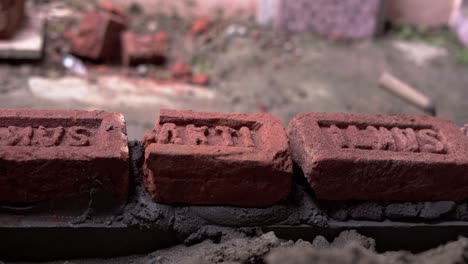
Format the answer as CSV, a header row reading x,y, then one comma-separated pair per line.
x,y
236,248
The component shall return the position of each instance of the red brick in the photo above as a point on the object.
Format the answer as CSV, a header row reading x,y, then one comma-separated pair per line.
x,y
110,7
181,71
144,49
200,79
11,17
465,130
47,154
161,36
213,158
98,37
200,26
393,158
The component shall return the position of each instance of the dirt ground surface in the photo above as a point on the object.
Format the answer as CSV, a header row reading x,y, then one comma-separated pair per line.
x,y
251,69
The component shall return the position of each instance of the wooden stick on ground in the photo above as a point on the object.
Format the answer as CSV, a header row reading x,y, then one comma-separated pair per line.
x,y
407,92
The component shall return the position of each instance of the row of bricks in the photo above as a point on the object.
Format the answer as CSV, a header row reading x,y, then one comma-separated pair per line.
x,y
233,159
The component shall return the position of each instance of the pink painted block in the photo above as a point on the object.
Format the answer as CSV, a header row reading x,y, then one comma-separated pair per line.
x,y
348,19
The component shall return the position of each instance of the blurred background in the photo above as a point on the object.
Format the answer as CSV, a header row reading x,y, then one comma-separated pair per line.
x,y
275,56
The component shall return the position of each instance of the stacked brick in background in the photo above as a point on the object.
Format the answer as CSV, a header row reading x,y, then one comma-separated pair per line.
x,y
217,159
47,154
349,19
144,49
98,36
386,158
12,16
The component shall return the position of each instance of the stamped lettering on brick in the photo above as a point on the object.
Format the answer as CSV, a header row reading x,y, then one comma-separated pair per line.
x,y
49,154
41,136
372,137
380,157
170,133
207,158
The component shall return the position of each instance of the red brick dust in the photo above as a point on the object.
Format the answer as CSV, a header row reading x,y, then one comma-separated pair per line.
x,y
47,154
144,49
161,36
98,37
11,17
376,157
217,159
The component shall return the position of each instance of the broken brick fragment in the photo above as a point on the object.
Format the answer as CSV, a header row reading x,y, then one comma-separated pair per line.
x,y
12,16
144,49
465,130
200,79
214,158
161,37
181,71
47,154
200,26
98,37
110,7
380,158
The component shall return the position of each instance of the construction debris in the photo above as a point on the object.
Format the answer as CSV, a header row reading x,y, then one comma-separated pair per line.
x,y
200,26
74,65
108,6
98,36
117,91
235,30
12,17
144,49
181,71
200,79
406,92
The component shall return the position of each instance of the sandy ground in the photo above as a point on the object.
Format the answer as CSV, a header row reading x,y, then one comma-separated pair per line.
x,y
259,71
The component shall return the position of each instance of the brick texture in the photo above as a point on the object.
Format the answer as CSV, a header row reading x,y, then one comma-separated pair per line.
x,y
11,17
213,158
98,36
389,158
47,154
143,49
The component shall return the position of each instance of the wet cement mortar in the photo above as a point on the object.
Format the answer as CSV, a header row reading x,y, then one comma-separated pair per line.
x,y
194,223
238,247
299,208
